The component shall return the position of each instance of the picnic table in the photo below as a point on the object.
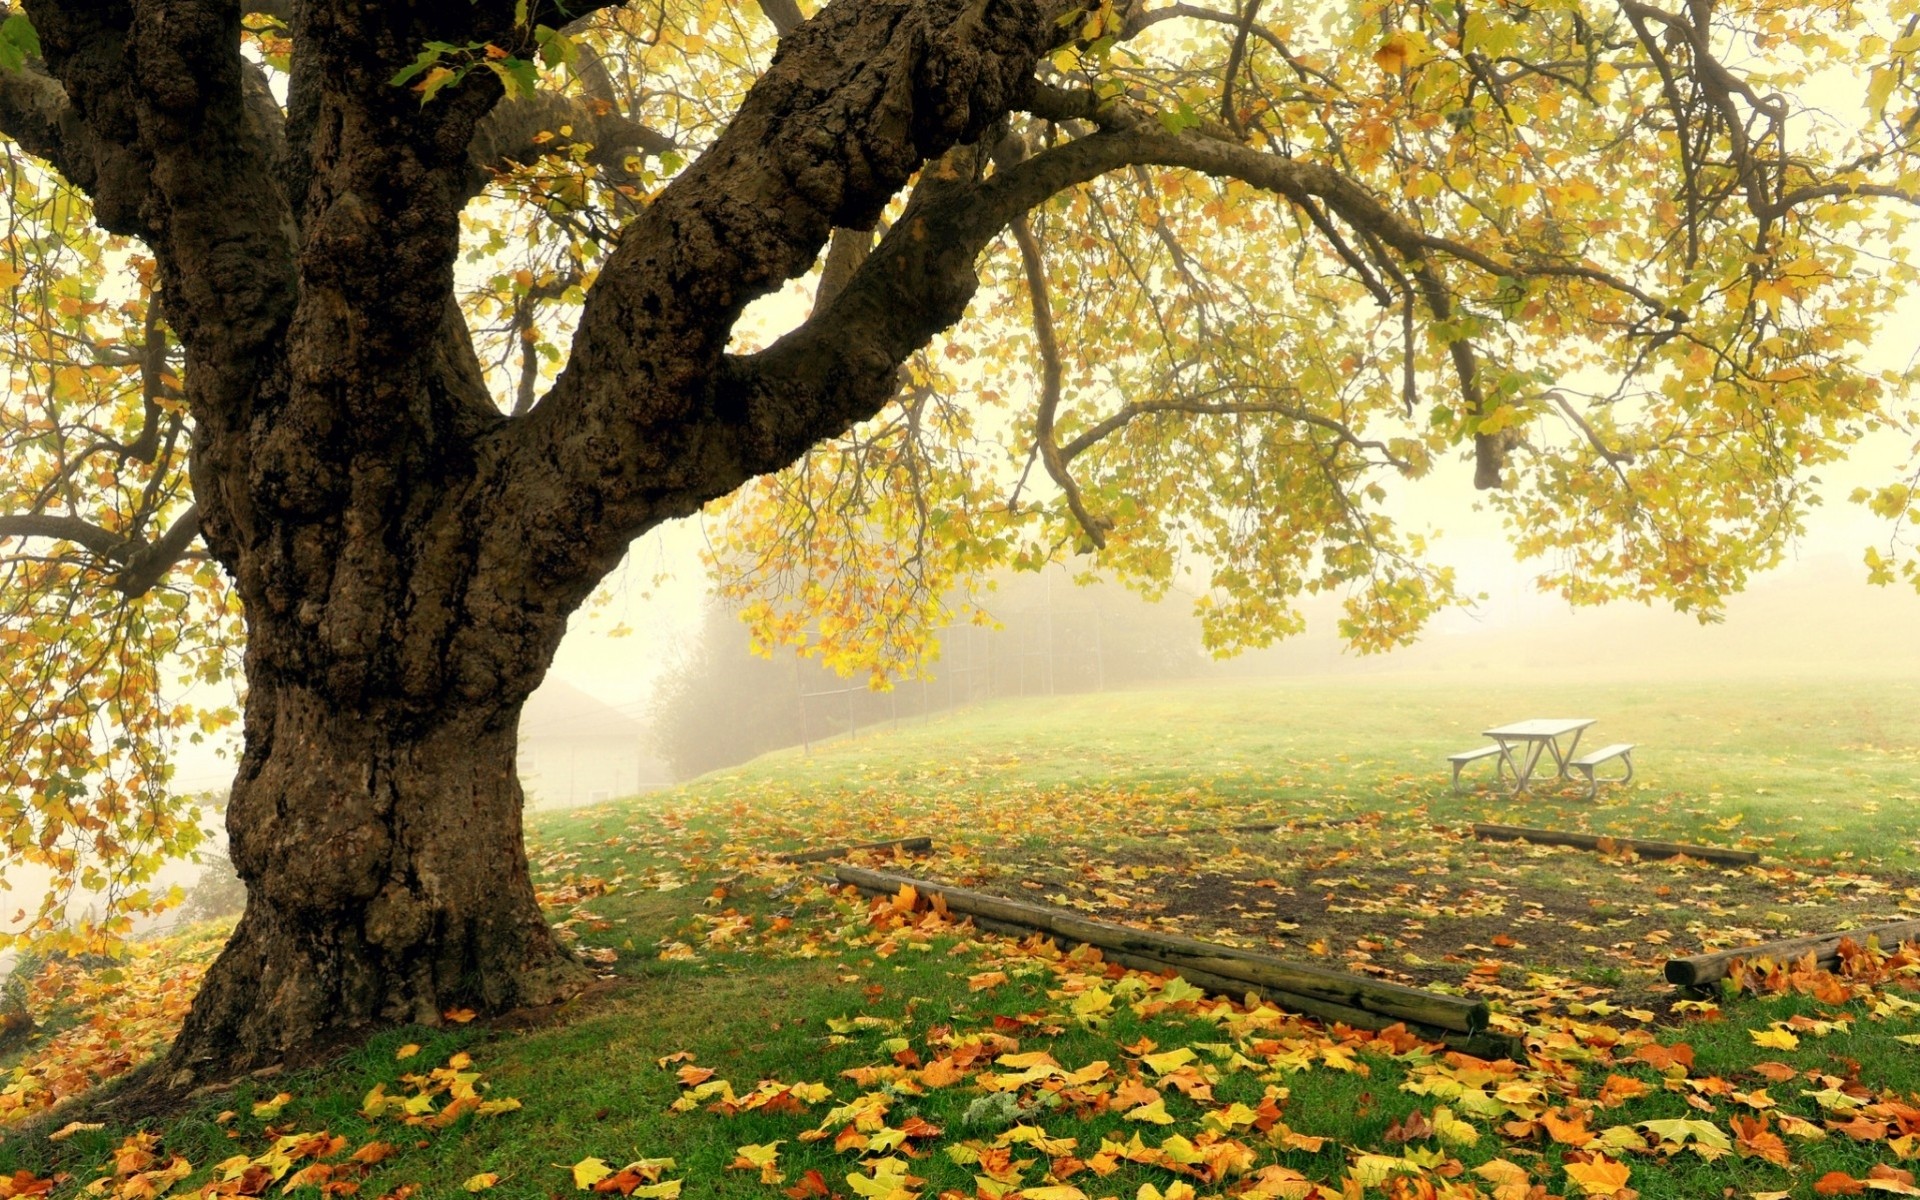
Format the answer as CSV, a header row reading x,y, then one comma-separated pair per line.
x,y
1523,743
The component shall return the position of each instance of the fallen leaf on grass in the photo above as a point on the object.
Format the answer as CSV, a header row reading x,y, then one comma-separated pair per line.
x,y
589,1171
407,1051
1155,1112
1753,1139
25,1183
72,1127
481,1182
764,1158
1599,1176
271,1108
812,1184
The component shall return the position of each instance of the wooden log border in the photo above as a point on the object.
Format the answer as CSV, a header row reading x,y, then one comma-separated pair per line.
x,y
1258,827
912,845
1593,841
1226,970
1698,970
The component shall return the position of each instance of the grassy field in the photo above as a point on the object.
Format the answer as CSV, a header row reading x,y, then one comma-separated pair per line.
x,y
772,1037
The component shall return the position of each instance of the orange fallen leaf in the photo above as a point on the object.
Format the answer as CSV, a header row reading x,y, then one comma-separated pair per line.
x,y
1599,1176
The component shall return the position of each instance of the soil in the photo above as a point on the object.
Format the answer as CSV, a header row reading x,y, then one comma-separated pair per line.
x,y
1542,929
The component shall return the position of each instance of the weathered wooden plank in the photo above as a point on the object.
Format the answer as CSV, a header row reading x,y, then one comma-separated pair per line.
x,y
1644,847
1320,984
1700,969
912,845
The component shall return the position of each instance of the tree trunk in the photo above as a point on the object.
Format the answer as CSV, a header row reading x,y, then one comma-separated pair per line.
x,y
386,883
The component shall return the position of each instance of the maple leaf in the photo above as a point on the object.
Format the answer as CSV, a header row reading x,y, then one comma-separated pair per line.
x,y
1839,1183
1154,1111
1753,1139
811,1184
1415,1128
589,1171
1599,1175
1860,1129
1884,1178
1619,1089
23,1183
268,1109
481,1182
1774,1039
762,1158
1568,1131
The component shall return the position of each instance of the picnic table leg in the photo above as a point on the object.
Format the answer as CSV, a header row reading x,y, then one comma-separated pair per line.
x,y
1561,759
1523,775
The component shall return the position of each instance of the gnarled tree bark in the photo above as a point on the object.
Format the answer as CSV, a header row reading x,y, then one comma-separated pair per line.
x,y
408,555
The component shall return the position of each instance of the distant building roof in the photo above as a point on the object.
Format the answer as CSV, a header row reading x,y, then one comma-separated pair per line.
x,y
560,710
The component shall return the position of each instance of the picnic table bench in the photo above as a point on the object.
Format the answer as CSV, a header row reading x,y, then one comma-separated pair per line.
x,y
1474,755
1587,762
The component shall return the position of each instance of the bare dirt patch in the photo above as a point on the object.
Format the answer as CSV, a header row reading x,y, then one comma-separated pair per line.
x,y
1536,928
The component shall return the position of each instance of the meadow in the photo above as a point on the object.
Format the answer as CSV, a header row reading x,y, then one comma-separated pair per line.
x,y
758,1034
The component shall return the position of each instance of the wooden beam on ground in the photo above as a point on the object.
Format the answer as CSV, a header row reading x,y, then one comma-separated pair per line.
x,y
1699,970
1258,827
1592,841
912,845
1318,991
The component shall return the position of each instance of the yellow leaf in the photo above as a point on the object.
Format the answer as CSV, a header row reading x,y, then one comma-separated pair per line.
x,y
459,1016
1392,54
1601,1177
1774,1039
1156,1112
1501,1172
72,1127
407,1051
481,1182
589,1171
1170,1060
271,1108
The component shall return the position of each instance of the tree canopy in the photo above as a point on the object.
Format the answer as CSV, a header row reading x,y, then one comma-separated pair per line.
x,y
383,330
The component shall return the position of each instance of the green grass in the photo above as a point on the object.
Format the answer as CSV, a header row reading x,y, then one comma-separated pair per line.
x,y
774,970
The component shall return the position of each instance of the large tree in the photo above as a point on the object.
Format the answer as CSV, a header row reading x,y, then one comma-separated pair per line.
x,y
441,304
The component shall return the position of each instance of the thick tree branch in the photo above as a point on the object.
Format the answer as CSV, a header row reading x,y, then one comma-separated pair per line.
x,y
35,113
149,562
106,544
139,565
784,14
522,130
855,101
838,367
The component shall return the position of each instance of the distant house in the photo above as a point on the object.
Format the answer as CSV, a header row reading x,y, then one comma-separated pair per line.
x,y
575,749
